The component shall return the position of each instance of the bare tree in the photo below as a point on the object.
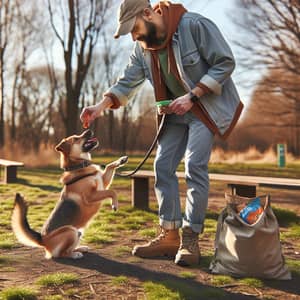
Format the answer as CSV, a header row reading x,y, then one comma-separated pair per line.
x,y
33,108
81,22
6,20
272,47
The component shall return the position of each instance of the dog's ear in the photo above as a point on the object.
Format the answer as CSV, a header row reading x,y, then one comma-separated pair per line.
x,y
63,147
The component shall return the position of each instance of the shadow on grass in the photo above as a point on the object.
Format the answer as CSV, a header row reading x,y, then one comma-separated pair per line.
x,y
187,288
289,286
43,187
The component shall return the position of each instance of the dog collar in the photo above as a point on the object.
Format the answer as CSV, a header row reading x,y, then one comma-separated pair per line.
x,y
82,165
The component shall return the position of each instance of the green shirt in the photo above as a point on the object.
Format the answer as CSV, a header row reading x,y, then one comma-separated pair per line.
x,y
174,86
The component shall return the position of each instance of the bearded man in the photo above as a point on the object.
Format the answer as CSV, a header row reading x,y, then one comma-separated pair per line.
x,y
186,59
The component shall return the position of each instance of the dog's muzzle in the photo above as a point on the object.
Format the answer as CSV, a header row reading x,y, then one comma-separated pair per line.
x,y
90,142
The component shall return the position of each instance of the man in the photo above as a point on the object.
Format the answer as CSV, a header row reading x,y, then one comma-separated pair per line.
x,y
186,59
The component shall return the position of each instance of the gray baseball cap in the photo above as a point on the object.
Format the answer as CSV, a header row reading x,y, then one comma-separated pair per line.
x,y
127,15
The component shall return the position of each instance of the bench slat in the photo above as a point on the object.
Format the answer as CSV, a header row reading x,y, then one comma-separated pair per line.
x,y
7,163
236,179
240,184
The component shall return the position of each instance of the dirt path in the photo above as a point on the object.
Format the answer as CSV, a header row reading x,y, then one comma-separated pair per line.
x,y
98,269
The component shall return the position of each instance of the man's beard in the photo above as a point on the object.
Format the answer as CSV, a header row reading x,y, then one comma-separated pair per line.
x,y
150,38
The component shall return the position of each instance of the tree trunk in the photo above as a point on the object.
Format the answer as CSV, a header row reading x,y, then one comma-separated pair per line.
x,y
2,137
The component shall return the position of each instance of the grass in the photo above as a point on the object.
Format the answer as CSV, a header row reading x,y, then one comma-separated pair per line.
x,y
57,279
123,250
148,232
18,293
219,280
187,275
252,282
286,217
5,260
120,280
156,291
294,266
54,297
41,188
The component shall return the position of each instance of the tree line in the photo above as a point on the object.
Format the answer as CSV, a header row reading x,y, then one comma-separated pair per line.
x,y
41,99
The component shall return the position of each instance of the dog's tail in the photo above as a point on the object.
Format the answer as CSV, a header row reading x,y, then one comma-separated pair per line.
x,y
20,226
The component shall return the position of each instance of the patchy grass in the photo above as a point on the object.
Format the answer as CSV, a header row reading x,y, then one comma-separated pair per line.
x,y
57,279
41,189
156,291
148,232
187,275
18,293
5,260
123,250
120,280
252,282
285,217
294,266
7,241
54,297
219,280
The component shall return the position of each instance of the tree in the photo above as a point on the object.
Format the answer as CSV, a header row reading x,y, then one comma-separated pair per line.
x,y
29,29
35,108
6,20
272,48
81,22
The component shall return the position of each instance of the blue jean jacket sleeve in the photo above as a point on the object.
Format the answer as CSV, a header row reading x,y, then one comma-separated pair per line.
x,y
131,80
215,50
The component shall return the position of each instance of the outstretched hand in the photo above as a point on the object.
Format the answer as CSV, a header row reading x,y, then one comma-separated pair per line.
x,y
88,115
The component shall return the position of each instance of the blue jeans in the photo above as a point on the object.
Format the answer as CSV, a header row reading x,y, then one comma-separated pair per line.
x,y
183,136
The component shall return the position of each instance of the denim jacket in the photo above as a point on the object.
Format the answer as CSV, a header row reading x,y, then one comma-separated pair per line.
x,y
202,55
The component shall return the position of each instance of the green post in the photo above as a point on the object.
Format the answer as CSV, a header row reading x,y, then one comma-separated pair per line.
x,y
281,155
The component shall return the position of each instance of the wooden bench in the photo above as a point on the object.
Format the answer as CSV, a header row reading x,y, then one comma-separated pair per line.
x,y
239,185
10,170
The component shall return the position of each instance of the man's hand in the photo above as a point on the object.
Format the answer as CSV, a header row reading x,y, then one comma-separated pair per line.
x,y
90,113
181,105
161,110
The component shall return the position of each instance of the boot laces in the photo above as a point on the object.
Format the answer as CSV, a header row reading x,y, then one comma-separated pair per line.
x,y
162,233
189,240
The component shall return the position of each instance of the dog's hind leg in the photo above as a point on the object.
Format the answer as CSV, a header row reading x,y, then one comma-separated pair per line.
x,y
109,170
62,242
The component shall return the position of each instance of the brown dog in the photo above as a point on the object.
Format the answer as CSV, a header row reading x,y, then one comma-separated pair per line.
x,y
85,186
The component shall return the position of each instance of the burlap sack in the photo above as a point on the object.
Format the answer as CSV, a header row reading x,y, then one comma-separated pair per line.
x,y
248,250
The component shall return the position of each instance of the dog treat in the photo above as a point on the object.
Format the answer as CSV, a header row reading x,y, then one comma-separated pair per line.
x,y
86,122
163,103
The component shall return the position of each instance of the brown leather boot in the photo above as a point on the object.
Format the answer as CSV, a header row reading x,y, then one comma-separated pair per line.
x,y
165,244
188,252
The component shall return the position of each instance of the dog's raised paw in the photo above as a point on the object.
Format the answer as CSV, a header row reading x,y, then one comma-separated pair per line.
x,y
123,160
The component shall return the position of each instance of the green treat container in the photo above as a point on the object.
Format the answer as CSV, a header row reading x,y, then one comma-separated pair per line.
x,y
163,103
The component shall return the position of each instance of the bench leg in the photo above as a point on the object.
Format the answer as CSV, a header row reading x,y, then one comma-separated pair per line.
x,y
243,190
10,174
140,193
